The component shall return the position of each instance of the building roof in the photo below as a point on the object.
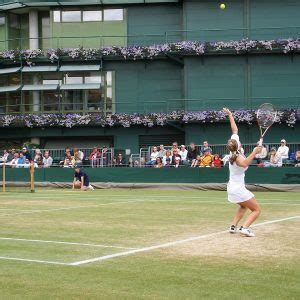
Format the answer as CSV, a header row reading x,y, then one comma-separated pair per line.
x,y
15,4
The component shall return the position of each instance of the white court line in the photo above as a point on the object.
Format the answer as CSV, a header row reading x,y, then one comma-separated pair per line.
x,y
136,201
64,243
167,245
68,208
34,260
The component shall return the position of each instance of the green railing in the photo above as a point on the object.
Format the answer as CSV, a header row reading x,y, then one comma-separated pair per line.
x,y
145,107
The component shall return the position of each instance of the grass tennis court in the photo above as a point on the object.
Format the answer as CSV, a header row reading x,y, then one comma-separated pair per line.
x,y
150,244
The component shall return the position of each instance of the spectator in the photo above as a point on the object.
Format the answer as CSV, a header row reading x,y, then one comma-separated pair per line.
x,y
105,157
14,161
183,153
262,155
94,157
26,153
283,150
167,157
76,160
158,163
275,159
176,155
192,153
68,162
207,159
5,156
168,161
205,148
11,155
38,159
174,147
297,159
47,160
177,162
27,164
153,156
162,151
68,150
120,161
37,154
217,162
21,160
196,162
79,154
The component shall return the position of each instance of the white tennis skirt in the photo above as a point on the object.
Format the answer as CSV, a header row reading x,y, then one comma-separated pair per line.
x,y
238,193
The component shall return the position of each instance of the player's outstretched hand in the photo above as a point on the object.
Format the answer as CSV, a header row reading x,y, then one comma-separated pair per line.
x,y
257,149
227,111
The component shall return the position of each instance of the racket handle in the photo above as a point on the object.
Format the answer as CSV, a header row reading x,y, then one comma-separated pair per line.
x,y
260,142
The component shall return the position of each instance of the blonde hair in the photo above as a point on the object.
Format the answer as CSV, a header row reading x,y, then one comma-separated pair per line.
x,y
233,147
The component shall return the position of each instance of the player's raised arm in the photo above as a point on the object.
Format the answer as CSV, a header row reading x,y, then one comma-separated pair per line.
x,y
246,162
234,128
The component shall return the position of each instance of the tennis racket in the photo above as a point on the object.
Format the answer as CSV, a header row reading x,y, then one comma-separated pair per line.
x,y
266,116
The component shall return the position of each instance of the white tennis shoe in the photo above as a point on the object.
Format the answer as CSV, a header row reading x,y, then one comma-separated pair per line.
x,y
232,229
246,232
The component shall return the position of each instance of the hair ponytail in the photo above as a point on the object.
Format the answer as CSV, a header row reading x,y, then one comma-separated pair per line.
x,y
232,146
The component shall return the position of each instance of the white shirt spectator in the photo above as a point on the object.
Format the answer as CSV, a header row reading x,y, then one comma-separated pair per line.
x,y
183,153
283,150
47,161
154,155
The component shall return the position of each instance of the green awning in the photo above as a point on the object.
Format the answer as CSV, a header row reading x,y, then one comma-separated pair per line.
x,y
88,86
39,69
39,87
9,70
66,68
12,88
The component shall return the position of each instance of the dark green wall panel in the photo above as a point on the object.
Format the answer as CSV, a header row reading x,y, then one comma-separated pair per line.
x,y
242,82
145,86
155,21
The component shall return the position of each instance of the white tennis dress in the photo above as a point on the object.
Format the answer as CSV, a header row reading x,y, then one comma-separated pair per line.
x,y
236,188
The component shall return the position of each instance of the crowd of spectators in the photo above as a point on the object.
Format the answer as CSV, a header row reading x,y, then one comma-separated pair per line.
x,y
205,157
160,157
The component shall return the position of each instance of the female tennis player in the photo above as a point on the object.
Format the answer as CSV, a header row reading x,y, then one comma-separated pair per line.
x,y
236,189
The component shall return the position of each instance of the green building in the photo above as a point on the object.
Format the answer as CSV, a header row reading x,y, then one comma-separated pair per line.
x,y
100,84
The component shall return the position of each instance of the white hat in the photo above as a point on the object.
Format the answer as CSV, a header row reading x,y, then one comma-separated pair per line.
x,y
283,141
177,158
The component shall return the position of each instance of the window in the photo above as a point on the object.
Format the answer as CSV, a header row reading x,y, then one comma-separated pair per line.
x,y
92,15
95,100
109,78
2,20
93,79
51,100
56,16
73,100
113,15
71,79
71,16
14,21
52,81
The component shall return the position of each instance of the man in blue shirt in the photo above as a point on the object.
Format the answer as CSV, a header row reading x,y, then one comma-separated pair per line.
x,y
81,180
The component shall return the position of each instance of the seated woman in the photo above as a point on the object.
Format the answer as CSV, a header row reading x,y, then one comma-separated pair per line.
x,y
275,159
168,156
158,163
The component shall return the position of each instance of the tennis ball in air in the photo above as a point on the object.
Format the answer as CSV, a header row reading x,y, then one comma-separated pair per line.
x,y
222,6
